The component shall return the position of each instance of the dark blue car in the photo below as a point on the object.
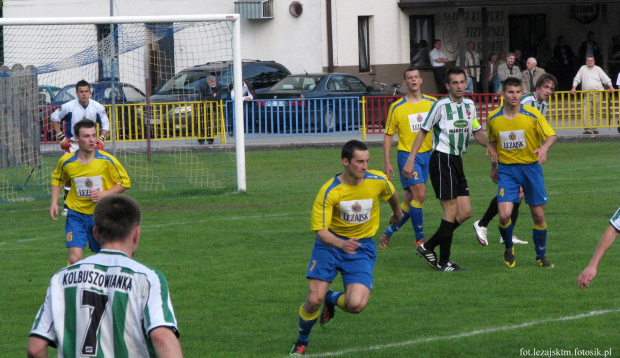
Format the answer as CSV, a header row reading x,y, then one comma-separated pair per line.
x,y
312,103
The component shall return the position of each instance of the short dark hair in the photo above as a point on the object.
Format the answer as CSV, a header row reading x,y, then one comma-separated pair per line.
x,y
435,41
115,216
547,77
82,83
511,81
84,123
409,69
350,147
454,71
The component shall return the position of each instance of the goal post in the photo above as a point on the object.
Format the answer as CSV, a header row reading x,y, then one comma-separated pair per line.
x,y
150,73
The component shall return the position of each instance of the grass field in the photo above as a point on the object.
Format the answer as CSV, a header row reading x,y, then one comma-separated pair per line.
x,y
236,264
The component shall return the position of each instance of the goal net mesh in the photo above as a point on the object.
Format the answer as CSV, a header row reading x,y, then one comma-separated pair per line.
x,y
172,140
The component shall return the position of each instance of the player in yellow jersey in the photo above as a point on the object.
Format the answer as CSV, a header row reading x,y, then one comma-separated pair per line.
x,y
518,132
93,174
345,217
405,118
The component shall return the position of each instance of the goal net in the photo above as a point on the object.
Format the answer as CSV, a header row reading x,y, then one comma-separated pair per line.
x,y
168,121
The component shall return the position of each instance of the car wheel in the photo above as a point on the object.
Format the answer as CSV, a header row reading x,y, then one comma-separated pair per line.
x,y
329,119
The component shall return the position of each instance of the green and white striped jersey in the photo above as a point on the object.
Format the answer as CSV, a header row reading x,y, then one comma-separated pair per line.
x,y
105,306
615,220
530,100
451,124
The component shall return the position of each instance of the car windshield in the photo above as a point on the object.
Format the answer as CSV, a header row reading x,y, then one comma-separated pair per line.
x,y
297,83
186,81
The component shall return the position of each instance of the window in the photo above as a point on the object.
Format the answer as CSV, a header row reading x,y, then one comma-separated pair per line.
x,y
421,28
132,94
363,37
356,84
106,61
337,84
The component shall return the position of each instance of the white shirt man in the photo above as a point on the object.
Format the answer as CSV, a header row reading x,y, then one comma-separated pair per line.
x,y
592,78
472,62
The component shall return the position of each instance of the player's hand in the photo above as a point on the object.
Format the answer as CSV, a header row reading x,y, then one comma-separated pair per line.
x,y
396,217
95,195
494,175
350,246
491,149
389,171
542,155
99,145
54,211
408,169
584,279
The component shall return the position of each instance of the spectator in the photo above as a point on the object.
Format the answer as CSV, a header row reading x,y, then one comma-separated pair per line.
x,y
592,79
614,56
491,72
531,75
508,69
470,82
471,64
421,57
518,60
590,47
564,60
438,61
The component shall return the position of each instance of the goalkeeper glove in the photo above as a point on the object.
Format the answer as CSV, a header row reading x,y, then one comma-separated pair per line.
x,y
65,144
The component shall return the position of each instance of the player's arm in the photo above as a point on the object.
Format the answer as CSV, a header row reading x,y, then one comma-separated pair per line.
x,y
589,272
387,147
166,343
37,347
96,195
328,238
417,144
54,204
105,122
542,151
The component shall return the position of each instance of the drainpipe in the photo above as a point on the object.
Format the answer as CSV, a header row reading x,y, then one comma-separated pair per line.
x,y
330,44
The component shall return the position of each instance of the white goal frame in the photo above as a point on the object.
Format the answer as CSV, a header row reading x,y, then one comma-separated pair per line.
x,y
236,46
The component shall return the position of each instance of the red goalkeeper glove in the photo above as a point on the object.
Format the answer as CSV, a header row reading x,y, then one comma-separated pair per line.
x,y
100,145
65,144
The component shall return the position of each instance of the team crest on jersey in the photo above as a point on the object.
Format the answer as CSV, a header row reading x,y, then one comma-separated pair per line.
x,y
468,113
420,118
512,136
356,207
88,183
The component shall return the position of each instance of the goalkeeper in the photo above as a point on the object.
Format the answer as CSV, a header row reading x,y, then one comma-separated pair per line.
x,y
80,109
93,174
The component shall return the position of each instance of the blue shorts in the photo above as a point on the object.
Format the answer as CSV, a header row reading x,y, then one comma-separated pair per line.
x,y
420,168
79,231
327,261
528,176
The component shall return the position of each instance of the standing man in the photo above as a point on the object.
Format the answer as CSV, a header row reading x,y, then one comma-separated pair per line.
x,y
508,69
545,86
591,48
451,120
607,240
592,78
492,66
405,117
518,131
531,75
108,304
345,217
80,109
93,174
438,61
472,64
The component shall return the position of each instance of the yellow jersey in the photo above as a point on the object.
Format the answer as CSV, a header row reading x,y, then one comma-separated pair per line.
x,y
351,211
518,138
102,173
406,118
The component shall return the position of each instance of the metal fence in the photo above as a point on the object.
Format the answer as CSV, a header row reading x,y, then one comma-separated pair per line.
x,y
208,120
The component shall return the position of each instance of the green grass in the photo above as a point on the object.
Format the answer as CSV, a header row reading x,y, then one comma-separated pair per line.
x,y
236,264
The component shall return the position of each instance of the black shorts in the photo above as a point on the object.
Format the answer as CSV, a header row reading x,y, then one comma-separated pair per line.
x,y
447,176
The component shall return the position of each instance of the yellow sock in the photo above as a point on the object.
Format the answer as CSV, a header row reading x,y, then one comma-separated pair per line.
x,y
308,316
341,304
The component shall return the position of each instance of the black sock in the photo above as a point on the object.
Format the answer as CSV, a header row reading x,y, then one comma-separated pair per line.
x,y
445,230
490,213
515,213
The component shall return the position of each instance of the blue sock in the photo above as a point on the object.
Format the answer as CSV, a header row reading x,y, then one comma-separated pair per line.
x,y
507,235
332,297
306,322
393,228
417,221
540,240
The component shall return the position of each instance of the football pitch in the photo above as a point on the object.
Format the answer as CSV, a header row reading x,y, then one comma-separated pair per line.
x,y
235,264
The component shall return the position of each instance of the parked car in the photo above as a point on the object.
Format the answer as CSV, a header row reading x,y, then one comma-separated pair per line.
x,y
46,96
190,85
128,117
320,102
